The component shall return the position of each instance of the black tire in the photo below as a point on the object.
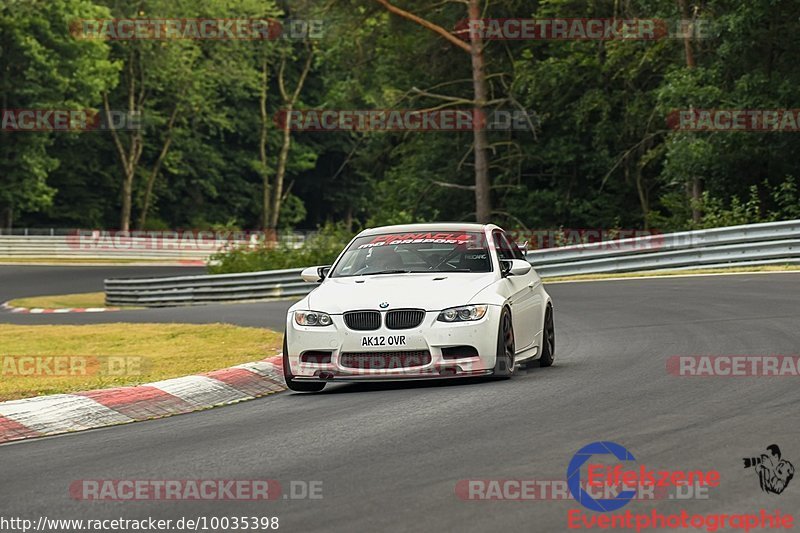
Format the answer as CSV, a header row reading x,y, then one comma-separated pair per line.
x,y
548,339
291,384
505,361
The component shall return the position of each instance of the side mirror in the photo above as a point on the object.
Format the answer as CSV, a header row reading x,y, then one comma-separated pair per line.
x,y
514,267
315,274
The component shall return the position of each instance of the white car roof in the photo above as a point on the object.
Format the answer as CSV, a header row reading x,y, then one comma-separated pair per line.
x,y
434,226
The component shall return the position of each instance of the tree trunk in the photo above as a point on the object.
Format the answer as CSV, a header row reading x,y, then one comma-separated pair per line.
x,y
128,158
696,186
130,167
156,168
8,218
127,193
289,101
687,36
697,195
280,171
8,211
642,193
348,218
262,144
483,200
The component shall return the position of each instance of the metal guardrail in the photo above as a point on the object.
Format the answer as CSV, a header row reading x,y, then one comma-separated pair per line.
x,y
188,290
754,244
38,231
63,247
750,244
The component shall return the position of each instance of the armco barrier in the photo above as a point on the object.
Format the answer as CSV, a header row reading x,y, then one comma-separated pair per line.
x,y
62,247
187,290
768,243
755,244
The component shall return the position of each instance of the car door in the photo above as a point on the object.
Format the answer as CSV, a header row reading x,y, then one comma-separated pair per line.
x,y
537,296
523,294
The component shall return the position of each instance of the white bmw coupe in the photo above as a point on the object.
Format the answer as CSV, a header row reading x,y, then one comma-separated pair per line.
x,y
419,301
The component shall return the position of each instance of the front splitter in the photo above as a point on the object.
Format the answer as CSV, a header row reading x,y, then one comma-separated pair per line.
x,y
392,377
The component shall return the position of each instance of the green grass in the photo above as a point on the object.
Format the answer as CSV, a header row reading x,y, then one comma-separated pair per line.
x,y
60,301
146,352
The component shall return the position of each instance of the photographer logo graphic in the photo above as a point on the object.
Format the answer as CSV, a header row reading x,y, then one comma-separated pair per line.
x,y
574,476
774,473
622,482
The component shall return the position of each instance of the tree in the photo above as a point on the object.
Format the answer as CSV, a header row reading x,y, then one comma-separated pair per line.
x,y
43,67
289,101
158,81
482,187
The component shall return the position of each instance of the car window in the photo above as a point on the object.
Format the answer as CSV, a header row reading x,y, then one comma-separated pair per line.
x,y
415,252
504,251
515,249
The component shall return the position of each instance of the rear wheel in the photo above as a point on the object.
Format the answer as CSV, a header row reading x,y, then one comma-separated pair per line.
x,y
291,384
548,339
504,363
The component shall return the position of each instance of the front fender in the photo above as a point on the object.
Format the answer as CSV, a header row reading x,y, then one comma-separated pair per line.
x,y
492,295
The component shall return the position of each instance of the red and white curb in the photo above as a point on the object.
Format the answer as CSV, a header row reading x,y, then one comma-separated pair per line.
x,y
39,310
63,413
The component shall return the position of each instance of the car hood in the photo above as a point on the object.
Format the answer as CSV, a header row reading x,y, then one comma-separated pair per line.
x,y
431,292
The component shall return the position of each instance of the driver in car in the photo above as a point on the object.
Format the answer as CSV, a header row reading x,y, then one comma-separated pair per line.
x,y
381,259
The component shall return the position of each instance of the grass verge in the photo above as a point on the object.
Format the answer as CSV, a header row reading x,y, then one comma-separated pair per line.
x,y
38,360
60,301
651,274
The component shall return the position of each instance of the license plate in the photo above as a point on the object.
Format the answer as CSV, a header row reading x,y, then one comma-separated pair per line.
x,y
383,340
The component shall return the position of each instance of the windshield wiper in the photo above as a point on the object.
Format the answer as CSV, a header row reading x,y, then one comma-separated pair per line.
x,y
397,271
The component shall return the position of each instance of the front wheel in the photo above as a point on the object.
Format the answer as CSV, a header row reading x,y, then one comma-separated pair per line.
x,y
504,363
548,339
291,384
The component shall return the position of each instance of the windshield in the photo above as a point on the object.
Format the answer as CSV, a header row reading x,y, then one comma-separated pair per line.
x,y
395,253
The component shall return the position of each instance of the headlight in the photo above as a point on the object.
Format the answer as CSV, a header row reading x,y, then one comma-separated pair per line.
x,y
463,314
312,318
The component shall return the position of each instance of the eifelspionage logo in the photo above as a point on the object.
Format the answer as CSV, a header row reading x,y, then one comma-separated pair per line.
x,y
627,478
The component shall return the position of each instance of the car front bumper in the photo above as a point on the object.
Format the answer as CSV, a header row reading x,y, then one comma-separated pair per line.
x,y
395,363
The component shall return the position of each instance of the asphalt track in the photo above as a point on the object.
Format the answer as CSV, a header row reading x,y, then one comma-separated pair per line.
x,y
389,456
20,281
17,281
